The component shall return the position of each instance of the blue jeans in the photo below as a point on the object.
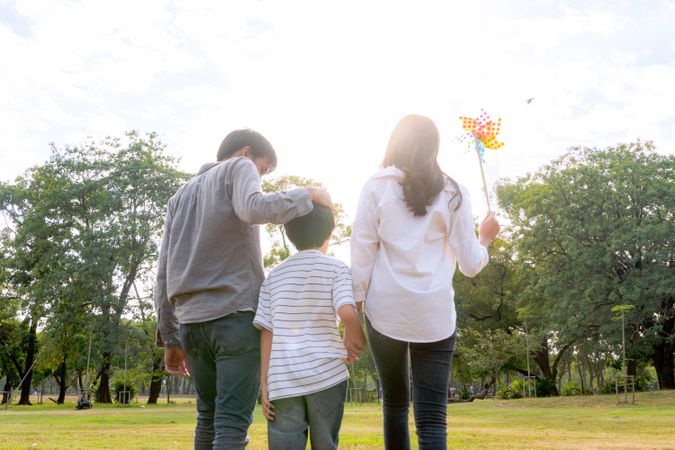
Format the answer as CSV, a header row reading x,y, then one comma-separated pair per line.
x,y
320,413
430,363
224,360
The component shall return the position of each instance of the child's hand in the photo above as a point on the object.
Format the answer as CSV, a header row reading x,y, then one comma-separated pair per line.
x,y
353,338
354,344
268,408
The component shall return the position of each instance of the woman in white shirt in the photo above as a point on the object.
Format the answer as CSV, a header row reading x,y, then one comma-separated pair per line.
x,y
413,224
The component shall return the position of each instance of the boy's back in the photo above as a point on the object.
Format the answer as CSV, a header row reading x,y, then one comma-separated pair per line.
x,y
303,376
298,304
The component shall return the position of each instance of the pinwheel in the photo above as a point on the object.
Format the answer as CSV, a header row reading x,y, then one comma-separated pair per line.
x,y
483,131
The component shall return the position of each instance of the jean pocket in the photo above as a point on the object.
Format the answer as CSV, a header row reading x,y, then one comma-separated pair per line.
x,y
235,334
331,401
186,340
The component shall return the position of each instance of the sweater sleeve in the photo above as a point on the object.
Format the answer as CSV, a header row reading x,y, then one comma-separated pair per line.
x,y
167,324
254,207
470,254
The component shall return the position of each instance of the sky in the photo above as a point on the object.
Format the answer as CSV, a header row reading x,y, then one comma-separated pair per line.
x,y
326,82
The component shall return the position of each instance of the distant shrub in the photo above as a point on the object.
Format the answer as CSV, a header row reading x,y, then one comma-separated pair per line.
x,y
119,392
514,390
546,387
641,384
518,386
571,388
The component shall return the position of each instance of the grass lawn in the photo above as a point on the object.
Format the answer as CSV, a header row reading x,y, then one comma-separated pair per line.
x,y
565,422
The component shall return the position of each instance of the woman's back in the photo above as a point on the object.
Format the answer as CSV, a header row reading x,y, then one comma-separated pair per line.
x,y
410,274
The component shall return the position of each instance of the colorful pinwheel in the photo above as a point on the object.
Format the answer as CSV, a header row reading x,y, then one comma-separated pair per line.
x,y
483,131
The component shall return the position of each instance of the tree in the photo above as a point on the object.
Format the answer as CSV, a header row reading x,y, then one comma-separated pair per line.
x,y
596,229
9,346
488,305
141,181
85,227
486,353
32,263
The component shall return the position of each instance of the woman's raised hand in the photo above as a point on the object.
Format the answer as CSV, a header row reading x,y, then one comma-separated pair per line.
x,y
488,229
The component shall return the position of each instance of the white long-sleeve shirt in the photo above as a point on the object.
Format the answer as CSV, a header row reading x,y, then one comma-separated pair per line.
x,y
402,265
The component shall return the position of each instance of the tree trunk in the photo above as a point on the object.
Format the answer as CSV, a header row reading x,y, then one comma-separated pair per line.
x,y
581,376
663,363
156,383
486,387
7,390
663,356
632,366
30,358
363,397
541,357
103,391
560,377
590,377
168,389
61,380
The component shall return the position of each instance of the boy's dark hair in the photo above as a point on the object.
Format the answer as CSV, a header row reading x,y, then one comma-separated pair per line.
x,y
238,139
311,230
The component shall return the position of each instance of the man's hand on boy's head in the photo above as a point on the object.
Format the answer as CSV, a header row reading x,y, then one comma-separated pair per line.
x,y
320,196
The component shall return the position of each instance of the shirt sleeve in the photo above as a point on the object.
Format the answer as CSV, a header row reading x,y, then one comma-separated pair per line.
x,y
470,254
254,207
262,317
364,243
342,287
167,324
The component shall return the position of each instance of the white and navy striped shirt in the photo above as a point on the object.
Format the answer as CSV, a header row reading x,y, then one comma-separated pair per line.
x,y
298,303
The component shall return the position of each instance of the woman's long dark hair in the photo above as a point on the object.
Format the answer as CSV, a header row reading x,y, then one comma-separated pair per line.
x,y
413,148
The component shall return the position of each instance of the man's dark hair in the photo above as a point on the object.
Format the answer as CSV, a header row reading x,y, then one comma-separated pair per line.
x,y
238,139
311,230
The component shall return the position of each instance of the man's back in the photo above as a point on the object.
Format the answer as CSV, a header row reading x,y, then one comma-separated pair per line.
x,y
213,256
210,261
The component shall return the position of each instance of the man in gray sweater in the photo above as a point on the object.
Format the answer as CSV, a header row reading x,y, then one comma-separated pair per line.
x,y
208,279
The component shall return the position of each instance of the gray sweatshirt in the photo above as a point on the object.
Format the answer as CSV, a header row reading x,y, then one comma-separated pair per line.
x,y
210,263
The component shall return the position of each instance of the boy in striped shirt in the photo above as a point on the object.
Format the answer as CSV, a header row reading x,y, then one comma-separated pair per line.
x,y
303,375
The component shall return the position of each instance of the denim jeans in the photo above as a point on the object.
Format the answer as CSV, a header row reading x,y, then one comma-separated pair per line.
x,y
224,359
320,412
430,363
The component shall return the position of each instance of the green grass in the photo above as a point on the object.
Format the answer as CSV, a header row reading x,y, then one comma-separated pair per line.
x,y
595,422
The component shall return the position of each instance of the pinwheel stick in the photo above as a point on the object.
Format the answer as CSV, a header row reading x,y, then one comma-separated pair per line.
x,y
482,173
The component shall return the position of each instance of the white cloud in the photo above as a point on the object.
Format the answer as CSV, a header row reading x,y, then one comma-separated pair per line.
x,y
326,82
